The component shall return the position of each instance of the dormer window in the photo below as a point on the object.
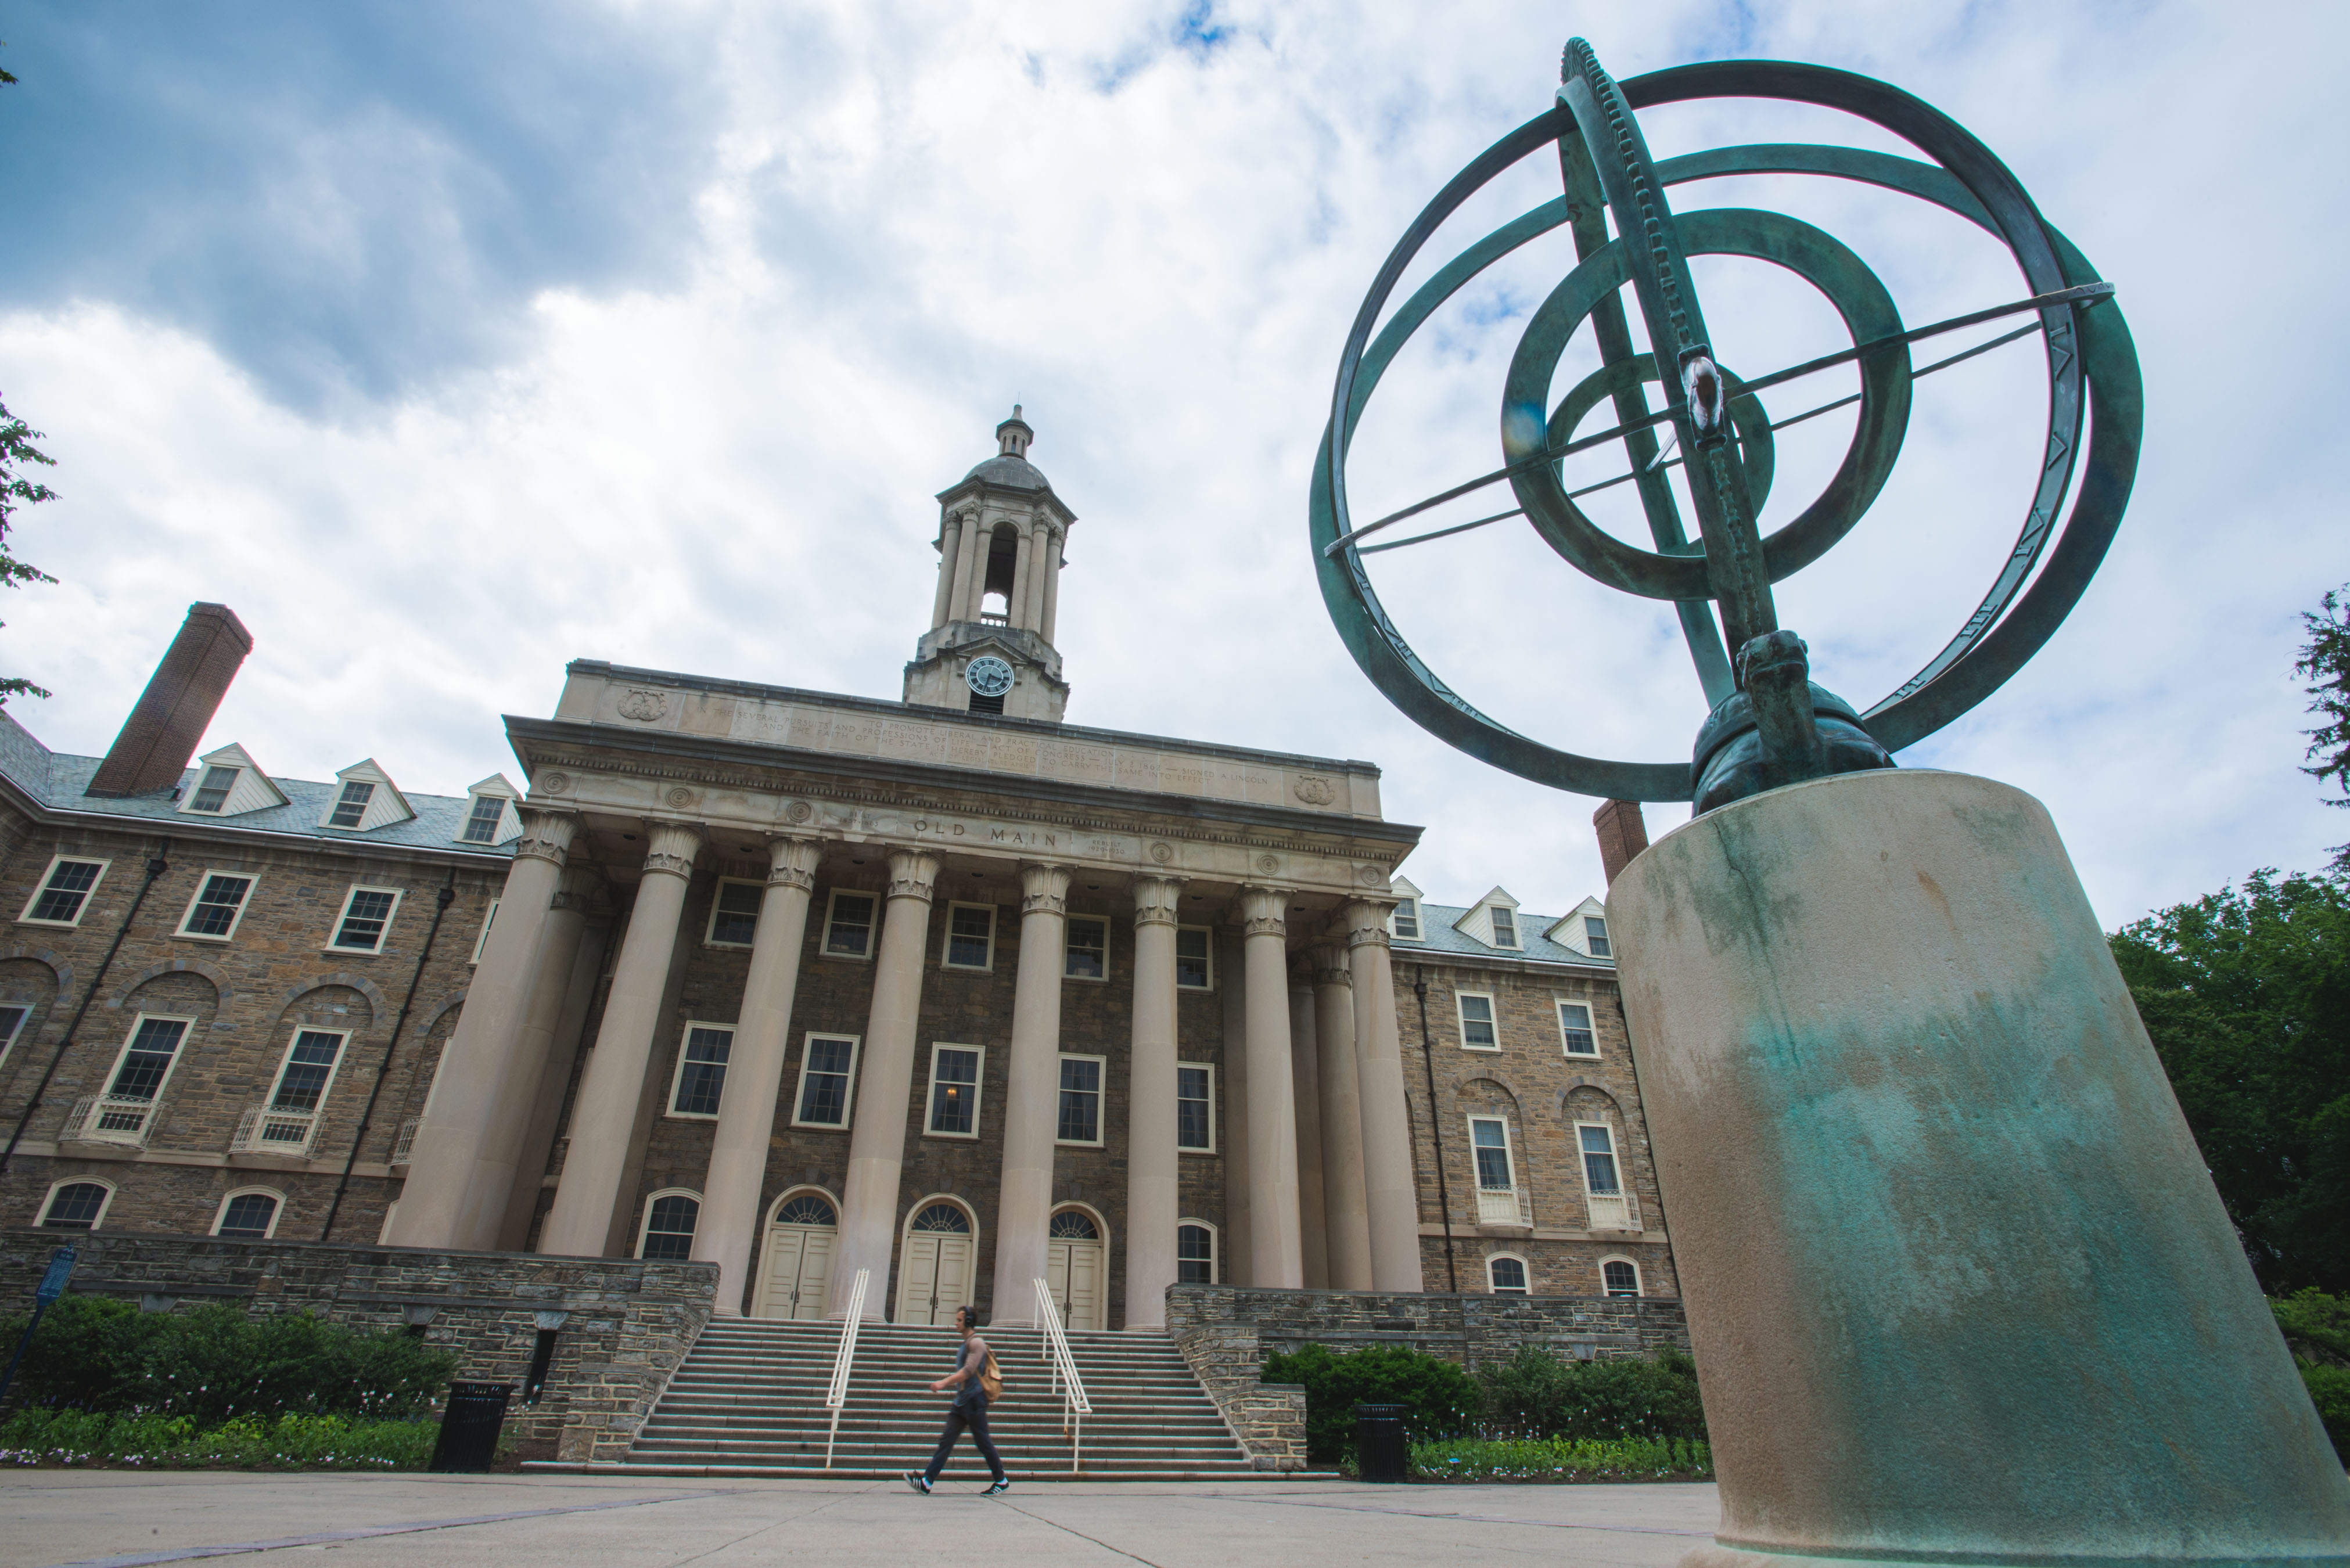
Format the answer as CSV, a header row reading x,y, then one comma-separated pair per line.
x,y
481,826
352,805
1595,935
212,794
1405,923
1505,927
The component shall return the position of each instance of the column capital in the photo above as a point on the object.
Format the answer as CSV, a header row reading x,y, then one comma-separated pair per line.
x,y
578,889
790,861
546,835
1043,888
912,873
670,846
1265,911
1155,899
1328,960
1366,923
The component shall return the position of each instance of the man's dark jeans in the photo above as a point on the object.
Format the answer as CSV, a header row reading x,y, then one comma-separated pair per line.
x,y
971,1413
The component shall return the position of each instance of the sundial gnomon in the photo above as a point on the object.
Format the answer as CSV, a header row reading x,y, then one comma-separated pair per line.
x,y
1718,428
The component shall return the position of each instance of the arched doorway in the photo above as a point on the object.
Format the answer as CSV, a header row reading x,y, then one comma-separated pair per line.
x,y
1075,1266
795,1260
934,1265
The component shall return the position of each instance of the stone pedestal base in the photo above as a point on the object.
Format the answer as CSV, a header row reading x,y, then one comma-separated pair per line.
x,y
1958,1285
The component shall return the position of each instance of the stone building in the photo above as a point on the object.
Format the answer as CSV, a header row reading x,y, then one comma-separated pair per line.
x,y
944,994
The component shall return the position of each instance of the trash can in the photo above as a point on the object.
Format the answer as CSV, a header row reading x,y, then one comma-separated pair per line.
x,y
1380,1452
469,1426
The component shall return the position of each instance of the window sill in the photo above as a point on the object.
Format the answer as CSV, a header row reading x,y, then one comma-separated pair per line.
x,y
1088,979
352,953
689,1115
1198,1151
730,947
844,958
52,924
820,1126
1483,1050
1071,1143
967,968
1581,1055
952,1137
208,941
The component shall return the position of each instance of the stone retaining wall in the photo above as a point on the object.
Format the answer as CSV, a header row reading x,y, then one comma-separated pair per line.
x,y
629,1322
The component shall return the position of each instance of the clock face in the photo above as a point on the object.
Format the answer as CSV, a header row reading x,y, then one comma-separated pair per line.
x,y
988,675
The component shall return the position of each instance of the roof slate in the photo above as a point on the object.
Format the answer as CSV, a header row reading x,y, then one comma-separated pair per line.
x,y
1437,936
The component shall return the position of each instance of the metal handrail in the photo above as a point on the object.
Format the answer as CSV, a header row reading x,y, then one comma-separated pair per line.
x,y
838,1394
1074,1406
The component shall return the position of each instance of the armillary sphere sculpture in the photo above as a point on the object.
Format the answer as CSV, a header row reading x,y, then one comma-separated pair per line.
x,y
1761,731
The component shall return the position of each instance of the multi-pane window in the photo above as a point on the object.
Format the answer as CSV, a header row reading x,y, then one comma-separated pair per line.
x,y
351,805
12,1023
68,888
954,1091
366,912
76,1205
734,914
1081,1097
1195,1254
1405,921
1489,1137
826,1067
482,823
1195,1107
147,1059
849,926
669,1226
1622,1278
1195,968
971,935
217,907
1507,1275
247,1216
1599,1160
1574,1029
701,1070
213,792
1089,957
1595,935
309,1068
1477,1022
1505,927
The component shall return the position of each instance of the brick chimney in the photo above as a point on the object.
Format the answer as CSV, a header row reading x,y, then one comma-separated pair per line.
x,y
161,733
1623,834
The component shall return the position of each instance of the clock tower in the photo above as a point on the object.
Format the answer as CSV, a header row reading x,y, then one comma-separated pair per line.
x,y
990,646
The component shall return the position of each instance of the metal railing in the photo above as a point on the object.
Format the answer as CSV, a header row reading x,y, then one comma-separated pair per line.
x,y
1504,1205
264,1130
1613,1212
846,1356
111,1119
1075,1408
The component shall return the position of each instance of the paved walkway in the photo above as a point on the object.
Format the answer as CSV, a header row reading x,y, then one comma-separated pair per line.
x,y
51,1518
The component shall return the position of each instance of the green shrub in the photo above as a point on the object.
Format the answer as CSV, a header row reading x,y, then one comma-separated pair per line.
x,y
1537,1394
1563,1459
1440,1399
214,1363
290,1441
2314,1323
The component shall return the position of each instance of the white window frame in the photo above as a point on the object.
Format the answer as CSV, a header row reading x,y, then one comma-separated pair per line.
x,y
1582,1173
1590,1027
1517,942
473,803
178,1052
235,771
252,880
9,1041
482,938
947,941
1209,932
709,927
89,893
398,895
849,1101
645,1218
872,931
1395,918
285,1060
1215,1248
1101,1097
97,1220
677,1074
1509,1150
1101,921
1640,1281
978,1090
1493,1020
342,793
1603,935
1524,1268
220,1215
1209,1068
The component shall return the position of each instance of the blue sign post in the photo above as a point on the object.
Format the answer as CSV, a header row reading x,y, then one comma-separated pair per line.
x,y
52,1286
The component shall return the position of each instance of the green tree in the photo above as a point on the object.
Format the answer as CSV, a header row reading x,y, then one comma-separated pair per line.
x,y
2246,993
2325,658
16,450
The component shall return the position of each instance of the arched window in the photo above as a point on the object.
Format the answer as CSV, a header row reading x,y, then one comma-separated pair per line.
x,y
1621,1276
949,1218
248,1216
1073,1225
76,1205
809,1208
668,1231
1506,1274
1195,1252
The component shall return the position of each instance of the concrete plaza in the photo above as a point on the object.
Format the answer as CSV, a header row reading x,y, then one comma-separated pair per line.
x,y
54,1518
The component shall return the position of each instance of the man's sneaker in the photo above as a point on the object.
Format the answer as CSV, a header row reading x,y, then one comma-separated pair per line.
x,y
999,1487
918,1481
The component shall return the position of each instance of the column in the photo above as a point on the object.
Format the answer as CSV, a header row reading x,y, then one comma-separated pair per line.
x,y
1306,1096
961,594
603,1122
1015,607
1032,1094
949,553
480,1065
1231,979
755,1073
1153,1192
555,1083
884,1077
981,544
1391,1192
1276,1259
1051,583
1040,556
1343,1200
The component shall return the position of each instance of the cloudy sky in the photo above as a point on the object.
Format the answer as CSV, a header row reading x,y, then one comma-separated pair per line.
x,y
448,342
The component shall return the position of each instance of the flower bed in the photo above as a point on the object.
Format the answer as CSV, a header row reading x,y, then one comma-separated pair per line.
x,y
291,1442
1563,1459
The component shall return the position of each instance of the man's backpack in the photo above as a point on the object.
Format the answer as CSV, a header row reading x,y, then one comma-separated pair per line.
x,y
990,1379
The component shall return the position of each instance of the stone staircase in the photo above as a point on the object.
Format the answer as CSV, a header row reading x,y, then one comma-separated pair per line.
x,y
749,1400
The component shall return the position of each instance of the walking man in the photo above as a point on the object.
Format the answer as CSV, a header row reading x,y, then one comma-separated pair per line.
x,y
969,1381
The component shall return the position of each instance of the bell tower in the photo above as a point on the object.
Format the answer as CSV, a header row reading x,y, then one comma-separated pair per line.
x,y
990,646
